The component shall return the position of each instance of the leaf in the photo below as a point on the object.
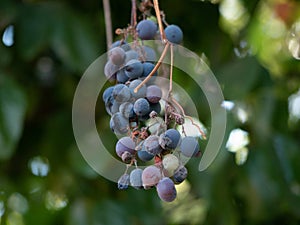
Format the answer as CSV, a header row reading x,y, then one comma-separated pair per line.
x,y
239,77
12,112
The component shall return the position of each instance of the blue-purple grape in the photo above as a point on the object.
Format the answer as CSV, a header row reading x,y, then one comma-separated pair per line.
x,y
153,94
147,68
166,189
146,29
144,155
131,54
126,109
141,92
121,93
117,56
141,107
121,76
174,34
136,178
119,124
107,94
151,176
180,175
151,145
123,182
169,139
125,144
134,68
189,146
149,54
121,43
110,71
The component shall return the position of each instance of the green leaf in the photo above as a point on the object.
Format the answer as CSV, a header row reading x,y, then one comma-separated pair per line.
x,y
12,112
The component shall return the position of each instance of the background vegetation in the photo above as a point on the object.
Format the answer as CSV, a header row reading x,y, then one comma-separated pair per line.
x,y
251,46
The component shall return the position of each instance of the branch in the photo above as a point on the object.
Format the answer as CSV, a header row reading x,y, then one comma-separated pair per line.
x,y
108,24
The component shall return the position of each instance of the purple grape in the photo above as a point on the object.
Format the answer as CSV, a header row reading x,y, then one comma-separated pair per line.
x,y
110,71
134,69
151,145
180,175
144,155
149,54
151,176
136,178
147,68
125,144
153,94
121,43
121,93
107,94
121,76
141,107
174,34
117,56
169,139
146,29
119,124
123,182
141,92
131,54
189,146
166,189
126,109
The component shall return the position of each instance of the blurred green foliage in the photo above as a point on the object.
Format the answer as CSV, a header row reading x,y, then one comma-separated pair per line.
x,y
45,180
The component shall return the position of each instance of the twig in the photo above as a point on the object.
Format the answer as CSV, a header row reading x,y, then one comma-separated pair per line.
x,y
108,23
133,13
188,117
163,54
160,24
171,69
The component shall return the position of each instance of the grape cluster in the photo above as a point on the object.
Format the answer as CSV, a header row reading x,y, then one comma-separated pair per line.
x,y
147,131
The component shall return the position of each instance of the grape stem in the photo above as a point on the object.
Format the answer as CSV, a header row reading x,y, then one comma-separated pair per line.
x,y
133,13
173,100
108,23
163,54
159,21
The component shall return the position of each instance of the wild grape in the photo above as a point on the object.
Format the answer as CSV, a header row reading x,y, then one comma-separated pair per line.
x,y
166,189
146,124
146,29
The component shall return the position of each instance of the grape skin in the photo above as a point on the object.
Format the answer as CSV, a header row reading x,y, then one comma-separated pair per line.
x,y
117,56
136,178
153,94
123,182
170,139
119,124
189,146
166,189
144,155
174,34
151,145
126,109
170,163
146,29
125,144
147,68
141,92
121,93
133,68
149,54
141,107
151,176
180,175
